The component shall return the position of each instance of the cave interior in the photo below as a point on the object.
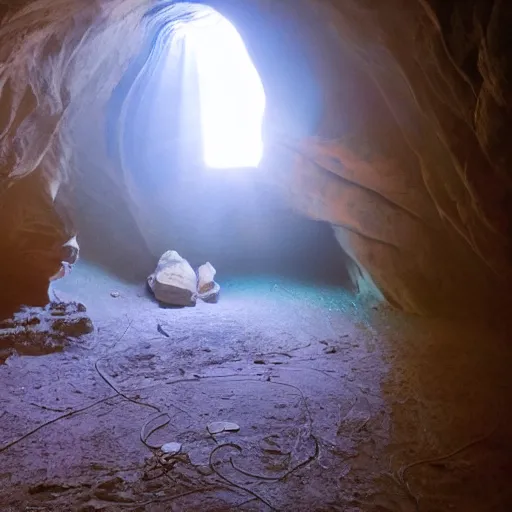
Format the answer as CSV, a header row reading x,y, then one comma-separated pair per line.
x,y
343,166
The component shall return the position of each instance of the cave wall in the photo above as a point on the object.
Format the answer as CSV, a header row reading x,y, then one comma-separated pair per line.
x,y
388,120
407,160
445,89
53,67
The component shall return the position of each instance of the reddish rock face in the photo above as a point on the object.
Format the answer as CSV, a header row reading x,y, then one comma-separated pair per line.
x,y
405,150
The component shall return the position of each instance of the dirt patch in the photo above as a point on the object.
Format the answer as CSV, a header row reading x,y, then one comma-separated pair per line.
x,y
36,331
341,407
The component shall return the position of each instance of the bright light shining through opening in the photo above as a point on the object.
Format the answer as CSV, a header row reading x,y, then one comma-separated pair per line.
x,y
231,95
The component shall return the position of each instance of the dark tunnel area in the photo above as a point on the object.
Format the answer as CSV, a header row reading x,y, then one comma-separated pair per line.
x,y
255,256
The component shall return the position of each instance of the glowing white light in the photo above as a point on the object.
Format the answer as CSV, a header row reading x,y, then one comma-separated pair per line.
x,y
231,95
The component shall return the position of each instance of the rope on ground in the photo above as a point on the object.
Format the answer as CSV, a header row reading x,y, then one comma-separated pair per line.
x,y
55,420
285,475
145,436
230,482
109,383
400,475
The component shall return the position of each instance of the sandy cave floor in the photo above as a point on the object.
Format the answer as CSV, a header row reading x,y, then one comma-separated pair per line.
x,y
341,407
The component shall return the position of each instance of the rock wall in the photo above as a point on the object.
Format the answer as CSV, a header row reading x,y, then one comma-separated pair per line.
x,y
388,120
411,167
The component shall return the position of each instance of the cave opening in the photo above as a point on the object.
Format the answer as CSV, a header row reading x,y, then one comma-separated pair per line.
x,y
231,98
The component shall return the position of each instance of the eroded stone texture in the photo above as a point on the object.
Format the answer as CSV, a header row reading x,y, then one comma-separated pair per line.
x,y
410,160
404,169
34,331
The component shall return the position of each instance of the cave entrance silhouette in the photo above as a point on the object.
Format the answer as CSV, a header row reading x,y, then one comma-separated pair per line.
x,y
230,92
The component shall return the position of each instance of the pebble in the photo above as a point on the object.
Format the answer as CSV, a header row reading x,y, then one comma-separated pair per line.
x,y
216,427
171,448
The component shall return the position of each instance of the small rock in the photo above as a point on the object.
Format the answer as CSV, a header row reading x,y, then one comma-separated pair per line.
x,y
208,289
32,321
211,296
259,361
115,295
174,281
204,470
171,448
330,350
216,427
206,275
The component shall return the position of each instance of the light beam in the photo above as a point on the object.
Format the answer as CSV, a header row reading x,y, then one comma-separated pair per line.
x,y
231,95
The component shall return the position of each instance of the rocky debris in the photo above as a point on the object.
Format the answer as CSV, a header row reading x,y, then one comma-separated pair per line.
x,y
36,330
217,427
208,289
211,296
205,277
171,448
69,256
174,281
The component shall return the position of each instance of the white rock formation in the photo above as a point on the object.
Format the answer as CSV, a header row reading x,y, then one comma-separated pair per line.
x,y
208,289
206,277
174,281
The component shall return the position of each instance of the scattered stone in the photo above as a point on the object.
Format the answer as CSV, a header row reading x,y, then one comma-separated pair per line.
x,y
171,448
69,253
115,295
330,350
174,281
259,361
74,327
211,296
208,289
217,427
204,470
206,277
66,307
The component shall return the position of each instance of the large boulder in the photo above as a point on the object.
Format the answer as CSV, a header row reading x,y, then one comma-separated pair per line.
x,y
174,281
